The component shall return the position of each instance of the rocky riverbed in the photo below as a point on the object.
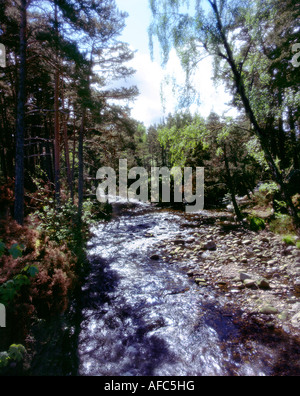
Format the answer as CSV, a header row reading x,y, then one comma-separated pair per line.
x,y
256,271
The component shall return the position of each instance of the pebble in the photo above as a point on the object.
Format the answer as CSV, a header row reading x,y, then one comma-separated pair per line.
x,y
246,264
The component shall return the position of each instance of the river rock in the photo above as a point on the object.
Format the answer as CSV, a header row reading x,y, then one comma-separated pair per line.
x,y
210,246
268,310
263,284
265,240
250,284
179,242
273,262
190,240
296,320
240,286
297,285
244,276
247,242
155,257
201,282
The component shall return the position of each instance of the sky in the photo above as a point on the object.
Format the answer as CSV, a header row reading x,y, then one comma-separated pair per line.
x,y
149,75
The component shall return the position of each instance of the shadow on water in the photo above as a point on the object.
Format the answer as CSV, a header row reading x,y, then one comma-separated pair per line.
x,y
245,340
145,354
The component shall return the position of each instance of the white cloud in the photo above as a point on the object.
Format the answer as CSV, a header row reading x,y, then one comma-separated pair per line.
x,y
148,107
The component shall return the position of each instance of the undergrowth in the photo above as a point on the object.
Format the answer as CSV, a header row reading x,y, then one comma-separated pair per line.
x,y
41,265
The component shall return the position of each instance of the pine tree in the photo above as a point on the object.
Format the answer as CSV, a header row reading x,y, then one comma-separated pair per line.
x,y
20,127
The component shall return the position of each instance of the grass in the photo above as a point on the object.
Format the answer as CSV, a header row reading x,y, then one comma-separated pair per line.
x,y
290,240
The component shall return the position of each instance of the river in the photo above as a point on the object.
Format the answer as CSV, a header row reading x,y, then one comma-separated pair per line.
x,y
145,317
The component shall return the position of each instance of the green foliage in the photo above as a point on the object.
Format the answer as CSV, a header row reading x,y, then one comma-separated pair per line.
x,y
15,353
30,270
264,195
182,137
60,224
16,250
257,224
2,248
289,240
282,224
269,187
298,245
4,359
11,288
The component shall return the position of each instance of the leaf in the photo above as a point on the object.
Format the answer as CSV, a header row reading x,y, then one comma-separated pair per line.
x,y
32,271
16,352
2,248
4,359
15,251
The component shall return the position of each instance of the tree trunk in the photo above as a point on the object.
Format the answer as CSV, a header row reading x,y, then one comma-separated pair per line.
x,y
67,152
73,162
232,187
80,168
248,109
294,142
20,125
56,124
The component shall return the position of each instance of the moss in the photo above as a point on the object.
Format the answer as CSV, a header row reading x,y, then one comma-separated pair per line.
x,y
257,224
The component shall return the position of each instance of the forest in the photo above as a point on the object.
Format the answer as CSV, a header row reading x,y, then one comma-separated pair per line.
x,y
65,113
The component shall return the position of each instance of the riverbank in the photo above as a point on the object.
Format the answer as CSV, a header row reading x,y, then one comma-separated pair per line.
x,y
256,271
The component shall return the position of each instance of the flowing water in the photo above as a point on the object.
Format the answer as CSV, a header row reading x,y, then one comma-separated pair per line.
x,y
144,317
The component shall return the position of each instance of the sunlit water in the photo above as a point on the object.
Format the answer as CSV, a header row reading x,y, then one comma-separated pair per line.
x,y
143,317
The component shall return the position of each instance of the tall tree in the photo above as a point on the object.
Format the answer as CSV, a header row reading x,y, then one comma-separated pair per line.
x,y
218,33
20,127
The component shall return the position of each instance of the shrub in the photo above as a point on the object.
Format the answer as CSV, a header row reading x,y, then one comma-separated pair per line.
x,y
296,201
264,195
36,278
15,353
257,224
282,224
289,240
